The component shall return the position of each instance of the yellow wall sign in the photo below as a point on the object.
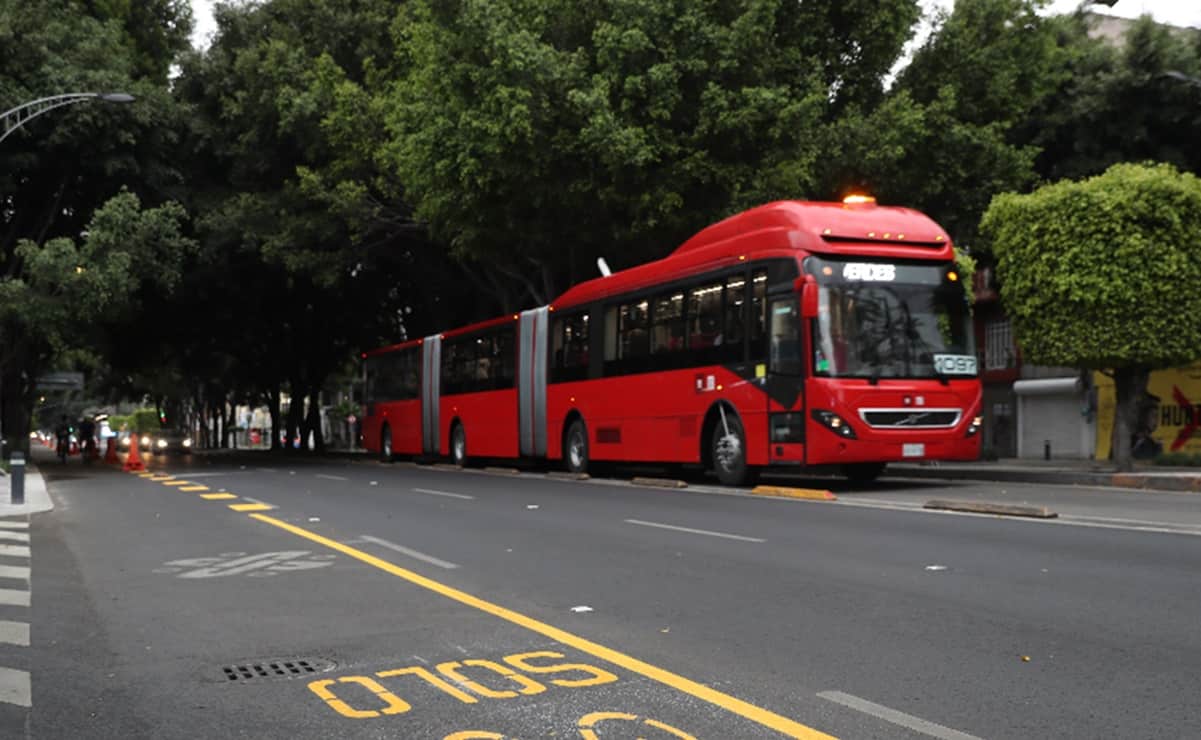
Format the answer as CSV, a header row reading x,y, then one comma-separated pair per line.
x,y
1171,418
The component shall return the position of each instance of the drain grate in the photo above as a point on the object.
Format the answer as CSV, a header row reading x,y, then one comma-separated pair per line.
x,y
275,669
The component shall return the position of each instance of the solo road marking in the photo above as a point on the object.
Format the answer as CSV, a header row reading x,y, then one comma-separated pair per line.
x,y
762,716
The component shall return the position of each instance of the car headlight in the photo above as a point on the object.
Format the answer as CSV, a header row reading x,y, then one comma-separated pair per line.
x,y
146,441
161,444
187,443
125,441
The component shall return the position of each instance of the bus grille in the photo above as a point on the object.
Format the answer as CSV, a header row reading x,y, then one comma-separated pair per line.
x,y
911,418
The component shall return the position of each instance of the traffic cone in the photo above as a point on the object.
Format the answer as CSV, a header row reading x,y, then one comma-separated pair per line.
x,y
133,461
110,455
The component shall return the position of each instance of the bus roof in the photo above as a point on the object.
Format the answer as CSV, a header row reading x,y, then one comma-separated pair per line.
x,y
780,229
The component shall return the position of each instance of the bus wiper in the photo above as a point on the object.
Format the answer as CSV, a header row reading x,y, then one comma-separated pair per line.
x,y
942,377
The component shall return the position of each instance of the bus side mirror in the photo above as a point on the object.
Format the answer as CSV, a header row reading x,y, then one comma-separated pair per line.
x,y
809,299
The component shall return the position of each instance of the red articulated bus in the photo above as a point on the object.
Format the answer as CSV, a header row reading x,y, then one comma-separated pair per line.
x,y
793,334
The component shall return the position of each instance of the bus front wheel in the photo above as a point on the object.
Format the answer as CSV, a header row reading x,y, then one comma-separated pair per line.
x,y
575,448
729,452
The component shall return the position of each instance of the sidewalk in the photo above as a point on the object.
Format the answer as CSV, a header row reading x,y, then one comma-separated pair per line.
x,y
1062,472
37,499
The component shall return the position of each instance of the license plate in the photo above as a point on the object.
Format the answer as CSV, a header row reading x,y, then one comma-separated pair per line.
x,y
915,449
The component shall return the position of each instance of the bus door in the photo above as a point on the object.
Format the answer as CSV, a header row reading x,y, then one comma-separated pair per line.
x,y
431,396
784,383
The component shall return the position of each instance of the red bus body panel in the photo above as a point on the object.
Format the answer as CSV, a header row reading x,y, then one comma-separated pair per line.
x,y
660,416
489,420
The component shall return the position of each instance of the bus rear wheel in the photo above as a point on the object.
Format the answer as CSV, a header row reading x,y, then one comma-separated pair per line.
x,y
862,472
385,444
458,445
575,447
729,452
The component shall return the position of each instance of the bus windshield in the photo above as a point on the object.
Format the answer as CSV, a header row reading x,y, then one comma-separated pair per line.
x,y
885,320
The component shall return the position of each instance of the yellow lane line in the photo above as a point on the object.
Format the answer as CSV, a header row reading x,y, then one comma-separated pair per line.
x,y
251,507
160,478
813,494
176,482
764,717
147,475
217,496
191,489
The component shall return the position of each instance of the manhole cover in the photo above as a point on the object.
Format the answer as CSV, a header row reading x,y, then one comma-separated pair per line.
x,y
276,669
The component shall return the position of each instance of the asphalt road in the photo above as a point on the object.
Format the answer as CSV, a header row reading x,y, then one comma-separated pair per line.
x,y
408,602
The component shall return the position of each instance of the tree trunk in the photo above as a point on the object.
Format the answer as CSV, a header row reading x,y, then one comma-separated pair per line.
x,y
314,420
295,411
1130,389
273,409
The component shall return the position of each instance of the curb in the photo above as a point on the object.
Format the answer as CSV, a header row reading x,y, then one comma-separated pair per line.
x,y
502,471
1139,481
984,507
562,475
658,482
812,494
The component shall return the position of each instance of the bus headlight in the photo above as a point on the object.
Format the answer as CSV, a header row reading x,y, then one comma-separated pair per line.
x,y
834,423
974,427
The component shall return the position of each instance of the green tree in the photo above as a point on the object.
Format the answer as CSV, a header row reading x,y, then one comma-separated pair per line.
x,y
949,135
536,135
57,170
1118,104
1101,274
65,291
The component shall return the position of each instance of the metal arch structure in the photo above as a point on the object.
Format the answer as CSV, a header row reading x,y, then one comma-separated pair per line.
x,y
22,114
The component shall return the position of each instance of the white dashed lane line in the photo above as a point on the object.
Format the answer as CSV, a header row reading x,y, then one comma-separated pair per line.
x,y
447,494
407,551
901,719
689,530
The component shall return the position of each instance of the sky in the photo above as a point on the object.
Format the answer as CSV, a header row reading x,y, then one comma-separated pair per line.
x,y
1174,12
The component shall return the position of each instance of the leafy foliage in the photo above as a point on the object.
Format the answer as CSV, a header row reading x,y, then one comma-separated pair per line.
x,y
1102,273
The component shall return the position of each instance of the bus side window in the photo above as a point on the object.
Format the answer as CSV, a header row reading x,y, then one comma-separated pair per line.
x,y
503,358
610,324
759,316
635,342
705,334
735,312
667,332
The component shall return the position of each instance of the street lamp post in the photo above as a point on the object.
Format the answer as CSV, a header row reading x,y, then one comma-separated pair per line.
x,y
15,118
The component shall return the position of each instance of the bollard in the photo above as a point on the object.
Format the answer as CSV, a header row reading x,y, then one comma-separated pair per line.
x,y
1046,449
17,478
